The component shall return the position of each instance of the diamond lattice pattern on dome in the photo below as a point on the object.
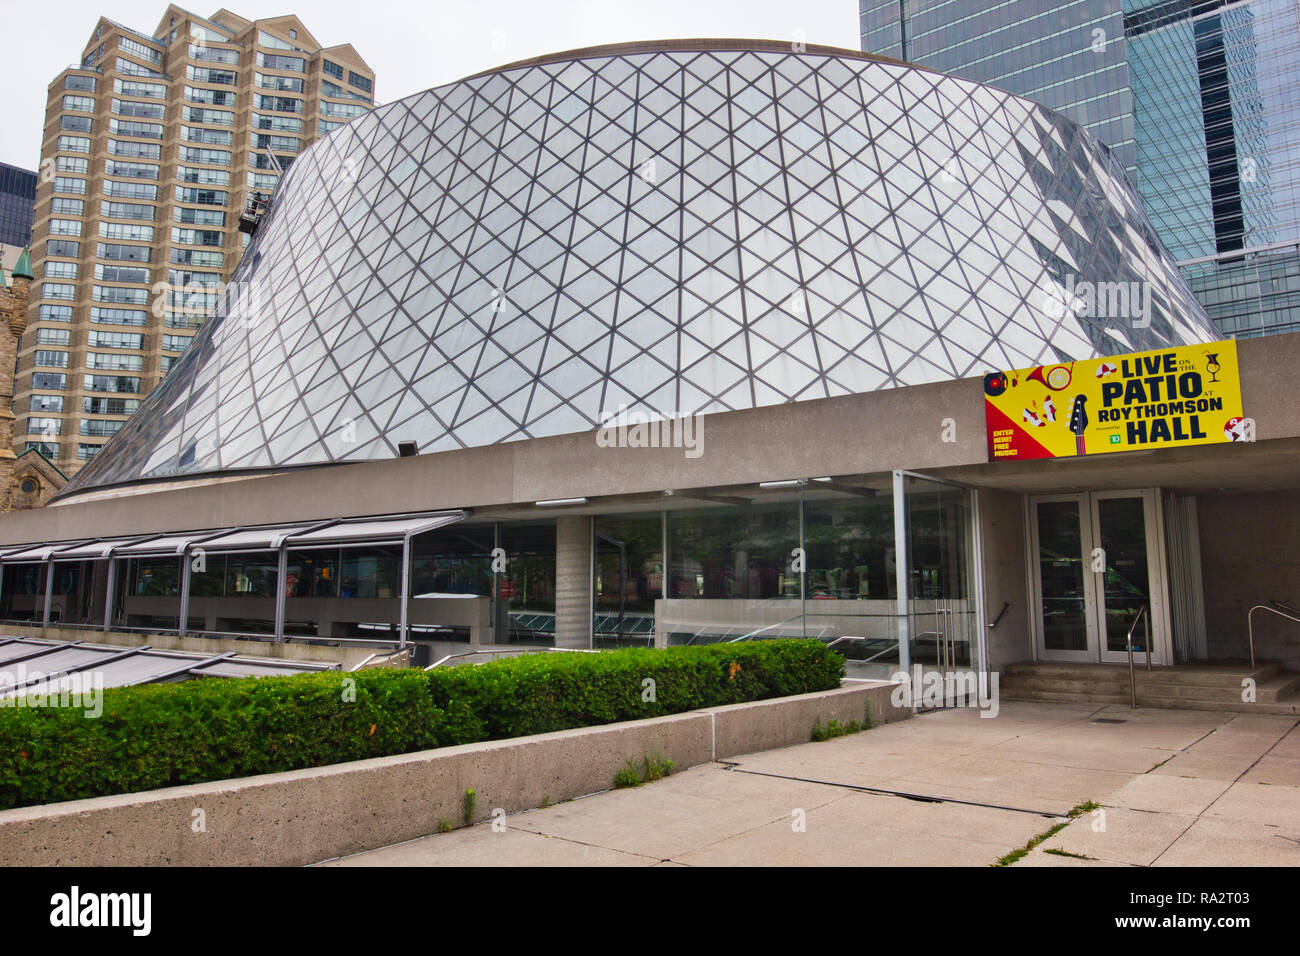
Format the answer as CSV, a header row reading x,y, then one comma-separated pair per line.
x,y
521,253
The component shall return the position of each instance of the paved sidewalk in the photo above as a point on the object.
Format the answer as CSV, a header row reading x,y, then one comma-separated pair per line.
x,y
1175,788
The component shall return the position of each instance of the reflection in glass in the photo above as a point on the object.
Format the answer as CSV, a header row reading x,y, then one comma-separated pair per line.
x,y
629,578
528,586
22,593
943,615
1060,567
1127,588
734,552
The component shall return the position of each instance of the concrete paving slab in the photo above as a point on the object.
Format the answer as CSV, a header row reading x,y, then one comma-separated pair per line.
x,y
1036,786
1038,857
1038,756
981,824
1288,746
1259,803
1208,765
1275,771
480,846
842,833
1161,793
1277,724
1216,842
1243,745
664,824
1136,837
1086,756
717,782
864,767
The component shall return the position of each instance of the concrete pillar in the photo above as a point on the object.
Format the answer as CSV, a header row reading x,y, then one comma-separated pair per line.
x,y
573,584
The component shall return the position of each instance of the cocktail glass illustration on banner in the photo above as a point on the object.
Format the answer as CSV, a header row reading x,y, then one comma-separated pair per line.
x,y
1212,366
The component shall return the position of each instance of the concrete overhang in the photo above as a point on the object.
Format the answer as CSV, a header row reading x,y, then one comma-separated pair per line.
x,y
867,433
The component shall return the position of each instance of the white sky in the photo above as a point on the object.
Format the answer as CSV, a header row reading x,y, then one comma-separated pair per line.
x,y
410,45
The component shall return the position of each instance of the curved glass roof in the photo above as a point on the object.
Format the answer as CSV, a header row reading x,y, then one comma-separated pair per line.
x,y
680,227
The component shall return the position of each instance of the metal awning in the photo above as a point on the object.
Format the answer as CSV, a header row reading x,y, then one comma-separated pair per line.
x,y
306,534
374,530
258,539
51,667
14,549
170,545
36,553
98,550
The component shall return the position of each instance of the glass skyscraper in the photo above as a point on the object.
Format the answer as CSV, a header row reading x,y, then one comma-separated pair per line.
x,y
17,202
1199,101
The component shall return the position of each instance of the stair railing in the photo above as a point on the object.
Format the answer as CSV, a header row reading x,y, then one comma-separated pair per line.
x,y
1273,609
1141,615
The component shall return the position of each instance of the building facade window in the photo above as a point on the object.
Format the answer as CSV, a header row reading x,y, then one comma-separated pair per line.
x,y
54,313
105,406
118,316
53,336
115,340
51,358
148,111
130,190
111,383
54,381
122,230
58,290
113,250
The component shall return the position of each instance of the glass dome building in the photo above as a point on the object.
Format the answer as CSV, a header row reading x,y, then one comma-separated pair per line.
x,y
945,366
670,228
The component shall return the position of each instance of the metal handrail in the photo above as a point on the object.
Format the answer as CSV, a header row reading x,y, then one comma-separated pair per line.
x,y
1141,615
516,651
449,657
1250,624
855,637
376,654
945,648
996,620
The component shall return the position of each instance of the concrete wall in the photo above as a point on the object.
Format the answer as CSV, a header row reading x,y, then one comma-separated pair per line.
x,y
1002,527
1250,554
802,439
304,816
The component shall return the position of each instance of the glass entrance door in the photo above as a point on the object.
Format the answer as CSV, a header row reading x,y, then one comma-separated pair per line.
x,y
941,604
1095,564
1064,622
1121,531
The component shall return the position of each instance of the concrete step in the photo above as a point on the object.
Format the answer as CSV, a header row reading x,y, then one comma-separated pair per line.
x,y
1270,690
1289,706
1191,674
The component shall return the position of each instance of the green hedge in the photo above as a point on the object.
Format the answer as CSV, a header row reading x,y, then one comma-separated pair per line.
x,y
213,729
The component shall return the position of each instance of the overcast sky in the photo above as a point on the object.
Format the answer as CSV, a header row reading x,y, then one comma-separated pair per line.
x,y
410,45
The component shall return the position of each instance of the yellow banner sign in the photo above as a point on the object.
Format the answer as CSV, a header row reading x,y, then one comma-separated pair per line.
x,y
1188,395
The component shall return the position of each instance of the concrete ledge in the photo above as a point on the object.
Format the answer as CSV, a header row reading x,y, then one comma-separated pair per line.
x,y
304,816
769,724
